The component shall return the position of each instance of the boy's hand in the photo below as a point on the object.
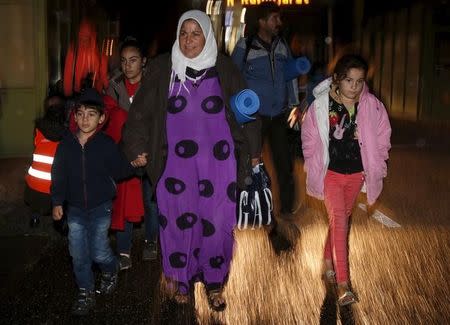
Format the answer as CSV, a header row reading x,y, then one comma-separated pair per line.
x,y
57,212
140,161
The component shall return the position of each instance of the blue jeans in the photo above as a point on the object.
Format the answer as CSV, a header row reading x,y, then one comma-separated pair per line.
x,y
123,238
89,242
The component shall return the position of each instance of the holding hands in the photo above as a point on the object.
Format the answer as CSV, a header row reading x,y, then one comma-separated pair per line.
x,y
57,212
140,161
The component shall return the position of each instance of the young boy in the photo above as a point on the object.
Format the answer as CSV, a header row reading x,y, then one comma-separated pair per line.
x,y
83,173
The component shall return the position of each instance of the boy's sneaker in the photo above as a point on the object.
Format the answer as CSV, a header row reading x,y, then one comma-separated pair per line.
x,y
150,251
84,303
125,262
108,283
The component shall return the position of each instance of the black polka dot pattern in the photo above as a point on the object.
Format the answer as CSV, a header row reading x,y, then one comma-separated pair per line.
x,y
216,262
186,221
174,186
212,104
186,148
176,104
197,190
162,221
178,260
208,228
232,191
196,253
206,188
221,150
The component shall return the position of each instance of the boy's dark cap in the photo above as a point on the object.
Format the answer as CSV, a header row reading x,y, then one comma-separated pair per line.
x,y
91,97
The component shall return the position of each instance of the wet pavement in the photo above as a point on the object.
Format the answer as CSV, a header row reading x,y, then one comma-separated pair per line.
x,y
44,292
400,275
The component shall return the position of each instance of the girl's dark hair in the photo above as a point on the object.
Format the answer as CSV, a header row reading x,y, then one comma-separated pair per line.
x,y
130,41
347,62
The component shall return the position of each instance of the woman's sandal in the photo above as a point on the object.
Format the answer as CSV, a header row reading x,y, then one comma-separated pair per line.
x,y
216,301
181,298
347,298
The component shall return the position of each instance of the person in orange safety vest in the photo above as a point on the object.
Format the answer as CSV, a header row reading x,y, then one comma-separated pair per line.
x,y
49,130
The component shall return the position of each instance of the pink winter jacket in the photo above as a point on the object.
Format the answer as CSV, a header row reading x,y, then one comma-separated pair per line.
x,y
374,132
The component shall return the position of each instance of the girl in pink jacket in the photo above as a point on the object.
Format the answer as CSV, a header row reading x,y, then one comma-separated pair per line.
x,y
345,140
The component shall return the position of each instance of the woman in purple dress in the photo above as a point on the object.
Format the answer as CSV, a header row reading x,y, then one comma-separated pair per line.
x,y
198,155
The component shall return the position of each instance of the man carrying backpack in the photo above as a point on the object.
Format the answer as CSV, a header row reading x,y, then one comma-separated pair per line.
x,y
261,59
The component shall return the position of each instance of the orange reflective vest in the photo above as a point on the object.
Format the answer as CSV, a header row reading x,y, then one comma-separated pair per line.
x,y
39,174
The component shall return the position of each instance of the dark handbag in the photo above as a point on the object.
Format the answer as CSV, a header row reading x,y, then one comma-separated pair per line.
x,y
255,204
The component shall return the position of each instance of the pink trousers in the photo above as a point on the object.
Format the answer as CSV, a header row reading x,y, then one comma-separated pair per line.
x,y
340,192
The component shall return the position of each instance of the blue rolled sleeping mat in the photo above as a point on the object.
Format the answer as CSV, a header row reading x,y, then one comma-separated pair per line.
x,y
296,67
244,104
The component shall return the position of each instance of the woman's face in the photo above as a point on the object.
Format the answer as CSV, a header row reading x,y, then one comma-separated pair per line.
x,y
132,64
191,39
351,86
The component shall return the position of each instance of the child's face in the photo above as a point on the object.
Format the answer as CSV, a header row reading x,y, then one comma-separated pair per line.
x,y
88,119
351,86
132,63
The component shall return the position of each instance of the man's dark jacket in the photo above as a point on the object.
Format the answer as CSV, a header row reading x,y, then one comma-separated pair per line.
x,y
145,129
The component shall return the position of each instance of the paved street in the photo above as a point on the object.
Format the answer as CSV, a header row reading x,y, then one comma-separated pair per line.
x,y
399,274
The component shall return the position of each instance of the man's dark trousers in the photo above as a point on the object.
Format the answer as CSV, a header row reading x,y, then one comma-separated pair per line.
x,y
274,129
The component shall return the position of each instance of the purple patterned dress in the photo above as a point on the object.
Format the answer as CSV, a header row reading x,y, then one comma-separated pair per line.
x,y
196,193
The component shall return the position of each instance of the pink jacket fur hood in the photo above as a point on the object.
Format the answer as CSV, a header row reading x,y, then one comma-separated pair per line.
x,y
374,132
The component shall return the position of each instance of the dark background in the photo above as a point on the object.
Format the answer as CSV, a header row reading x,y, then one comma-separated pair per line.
x,y
146,22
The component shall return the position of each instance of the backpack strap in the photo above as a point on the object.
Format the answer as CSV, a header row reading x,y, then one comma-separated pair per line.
x,y
249,41
248,45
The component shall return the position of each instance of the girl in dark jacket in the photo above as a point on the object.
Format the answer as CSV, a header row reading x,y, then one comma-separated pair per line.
x,y
122,88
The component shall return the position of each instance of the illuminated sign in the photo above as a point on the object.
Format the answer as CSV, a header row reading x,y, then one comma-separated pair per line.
x,y
230,3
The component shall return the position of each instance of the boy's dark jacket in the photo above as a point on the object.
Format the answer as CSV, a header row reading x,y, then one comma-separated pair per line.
x,y
85,177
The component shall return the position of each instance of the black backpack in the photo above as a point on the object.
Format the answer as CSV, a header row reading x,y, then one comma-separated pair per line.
x,y
248,45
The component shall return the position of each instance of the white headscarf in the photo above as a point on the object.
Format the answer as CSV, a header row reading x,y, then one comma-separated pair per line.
x,y
206,58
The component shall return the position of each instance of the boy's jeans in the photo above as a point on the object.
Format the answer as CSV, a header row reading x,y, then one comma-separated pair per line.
x,y
89,242
151,224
